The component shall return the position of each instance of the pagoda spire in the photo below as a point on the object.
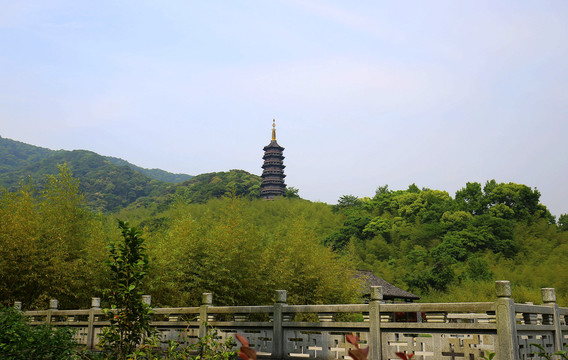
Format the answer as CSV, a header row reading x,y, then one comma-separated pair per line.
x,y
273,130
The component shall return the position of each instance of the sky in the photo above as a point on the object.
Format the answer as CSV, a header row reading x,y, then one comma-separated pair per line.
x,y
364,93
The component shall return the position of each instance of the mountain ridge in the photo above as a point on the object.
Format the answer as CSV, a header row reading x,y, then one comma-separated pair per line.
x,y
107,183
27,152
110,184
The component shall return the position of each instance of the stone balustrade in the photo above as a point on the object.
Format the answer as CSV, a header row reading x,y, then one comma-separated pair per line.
x,y
282,331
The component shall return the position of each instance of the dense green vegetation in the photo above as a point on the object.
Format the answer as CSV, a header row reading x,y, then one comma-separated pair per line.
x,y
446,248
156,174
108,183
107,187
15,155
240,249
202,188
111,184
20,341
51,246
212,234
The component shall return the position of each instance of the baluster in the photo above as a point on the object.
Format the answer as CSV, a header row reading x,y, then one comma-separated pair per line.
x,y
325,317
240,317
549,299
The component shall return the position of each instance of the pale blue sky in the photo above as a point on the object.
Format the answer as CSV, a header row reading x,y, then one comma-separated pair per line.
x,y
365,93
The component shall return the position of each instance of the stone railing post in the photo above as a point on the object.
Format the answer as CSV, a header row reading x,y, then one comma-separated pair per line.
x,y
507,343
549,299
277,329
375,351
206,301
95,305
52,306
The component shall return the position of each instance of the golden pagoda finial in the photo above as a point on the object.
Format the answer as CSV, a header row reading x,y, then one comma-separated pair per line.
x,y
273,130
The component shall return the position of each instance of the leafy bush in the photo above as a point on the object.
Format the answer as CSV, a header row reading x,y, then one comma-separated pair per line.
x,y
207,347
19,340
129,315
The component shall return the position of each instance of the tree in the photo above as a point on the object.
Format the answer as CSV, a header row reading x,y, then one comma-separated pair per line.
x,y
563,222
129,316
21,260
50,244
347,202
377,226
292,192
478,269
353,226
310,272
242,250
515,201
471,199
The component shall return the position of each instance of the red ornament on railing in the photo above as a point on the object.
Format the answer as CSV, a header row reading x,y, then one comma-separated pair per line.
x,y
404,356
246,352
357,353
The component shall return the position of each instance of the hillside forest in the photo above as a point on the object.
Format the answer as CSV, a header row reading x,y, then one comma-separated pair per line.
x,y
212,233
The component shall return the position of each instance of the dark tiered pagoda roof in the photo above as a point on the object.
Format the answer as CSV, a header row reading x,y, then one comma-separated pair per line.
x,y
273,145
273,169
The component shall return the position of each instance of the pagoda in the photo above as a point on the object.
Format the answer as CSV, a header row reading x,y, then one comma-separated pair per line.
x,y
273,169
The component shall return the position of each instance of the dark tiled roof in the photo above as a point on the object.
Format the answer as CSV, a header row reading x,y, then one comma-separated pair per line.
x,y
273,144
368,278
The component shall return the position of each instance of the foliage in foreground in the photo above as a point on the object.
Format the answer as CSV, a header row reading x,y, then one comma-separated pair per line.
x,y
20,341
557,355
129,316
207,347
130,335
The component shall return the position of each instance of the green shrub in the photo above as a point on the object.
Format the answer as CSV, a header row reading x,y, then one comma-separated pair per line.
x,y
129,316
209,347
19,340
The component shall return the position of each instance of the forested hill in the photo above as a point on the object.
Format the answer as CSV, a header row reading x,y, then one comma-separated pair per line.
x,y
156,174
16,155
106,187
204,187
426,241
107,183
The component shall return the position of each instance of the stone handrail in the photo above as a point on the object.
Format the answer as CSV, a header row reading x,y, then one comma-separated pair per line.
x,y
282,331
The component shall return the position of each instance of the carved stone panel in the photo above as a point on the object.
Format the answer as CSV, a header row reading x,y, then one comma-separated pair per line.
x,y
528,351
319,344
438,346
259,339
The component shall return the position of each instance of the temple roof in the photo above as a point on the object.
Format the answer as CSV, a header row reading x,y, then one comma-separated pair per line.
x,y
273,144
368,279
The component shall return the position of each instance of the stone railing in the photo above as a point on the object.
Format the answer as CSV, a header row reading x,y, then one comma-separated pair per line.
x,y
281,331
